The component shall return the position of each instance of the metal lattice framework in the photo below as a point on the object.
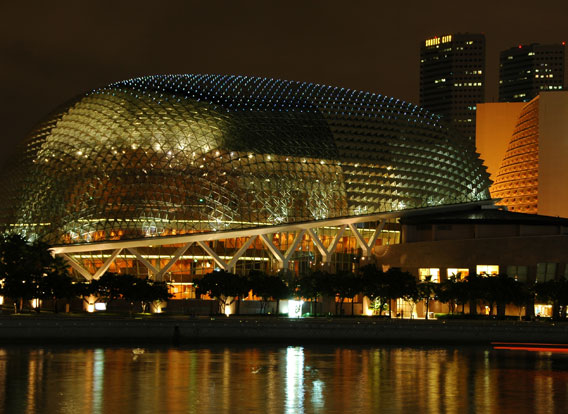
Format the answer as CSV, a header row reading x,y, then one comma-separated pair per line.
x,y
183,154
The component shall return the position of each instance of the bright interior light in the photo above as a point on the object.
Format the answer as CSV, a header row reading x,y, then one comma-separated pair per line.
x,y
295,308
90,308
100,306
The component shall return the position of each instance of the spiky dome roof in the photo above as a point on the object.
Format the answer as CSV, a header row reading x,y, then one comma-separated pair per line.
x,y
172,154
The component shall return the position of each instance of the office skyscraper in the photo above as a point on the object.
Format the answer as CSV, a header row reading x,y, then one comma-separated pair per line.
x,y
452,78
526,70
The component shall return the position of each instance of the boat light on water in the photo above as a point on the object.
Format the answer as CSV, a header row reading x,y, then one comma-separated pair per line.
x,y
530,346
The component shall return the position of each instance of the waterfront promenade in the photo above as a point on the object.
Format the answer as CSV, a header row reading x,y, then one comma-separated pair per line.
x,y
246,329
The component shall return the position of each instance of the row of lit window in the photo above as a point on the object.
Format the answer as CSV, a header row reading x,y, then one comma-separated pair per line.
x,y
544,272
468,84
433,274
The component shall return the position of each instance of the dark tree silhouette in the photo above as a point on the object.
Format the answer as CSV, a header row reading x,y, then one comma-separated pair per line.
x,y
23,266
225,287
427,291
312,285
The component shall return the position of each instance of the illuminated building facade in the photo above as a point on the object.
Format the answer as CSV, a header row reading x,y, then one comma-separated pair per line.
x,y
527,70
531,176
480,240
172,176
452,78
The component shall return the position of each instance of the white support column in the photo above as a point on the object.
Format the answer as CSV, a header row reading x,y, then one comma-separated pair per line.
x,y
292,249
277,254
319,245
360,239
326,253
102,270
145,262
222,264
240,252
75,265
376,234
367,246
335,241
178,253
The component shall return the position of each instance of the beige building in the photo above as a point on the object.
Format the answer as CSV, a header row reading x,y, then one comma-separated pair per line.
x,y
480,240
525,146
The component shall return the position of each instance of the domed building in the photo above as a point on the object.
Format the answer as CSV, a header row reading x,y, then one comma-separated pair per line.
x,y
177,174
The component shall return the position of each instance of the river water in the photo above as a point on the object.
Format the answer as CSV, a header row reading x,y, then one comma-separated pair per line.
x,y
273,379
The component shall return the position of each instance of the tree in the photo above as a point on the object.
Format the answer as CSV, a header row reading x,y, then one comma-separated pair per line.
x,y
268,287
475,290
554,292
279,290
426,291
344,285
108,287
55,286
501,290
384,287
23,265
400,285
312,285
454,293
83,290
258,282
374,286
225,287
144,291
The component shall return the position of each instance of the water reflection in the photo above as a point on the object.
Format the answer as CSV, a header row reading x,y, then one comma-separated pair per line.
x,y
295,380
275,380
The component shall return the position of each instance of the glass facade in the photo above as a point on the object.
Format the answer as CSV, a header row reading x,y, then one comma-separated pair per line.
x,y
178,154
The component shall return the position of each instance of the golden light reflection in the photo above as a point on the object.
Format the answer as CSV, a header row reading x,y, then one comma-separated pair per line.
x,y
275,379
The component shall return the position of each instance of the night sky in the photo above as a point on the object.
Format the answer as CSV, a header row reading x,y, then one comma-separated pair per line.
x,y
54,50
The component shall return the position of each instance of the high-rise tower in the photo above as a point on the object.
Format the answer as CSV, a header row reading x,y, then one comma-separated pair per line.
x,y
526,70
452,78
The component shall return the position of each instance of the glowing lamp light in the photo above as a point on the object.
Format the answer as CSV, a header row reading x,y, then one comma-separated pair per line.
x,y
295,308
1,300
227,310
100,306
35,303
91,307
369,312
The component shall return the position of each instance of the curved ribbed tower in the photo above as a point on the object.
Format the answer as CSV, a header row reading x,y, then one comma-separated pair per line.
x,y
517,179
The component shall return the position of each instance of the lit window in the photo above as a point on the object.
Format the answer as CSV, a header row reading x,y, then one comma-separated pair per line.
x,y
458,273
487,270
543,310
433,273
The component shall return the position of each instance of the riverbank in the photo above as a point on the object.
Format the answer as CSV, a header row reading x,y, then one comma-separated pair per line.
x,y
184,330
